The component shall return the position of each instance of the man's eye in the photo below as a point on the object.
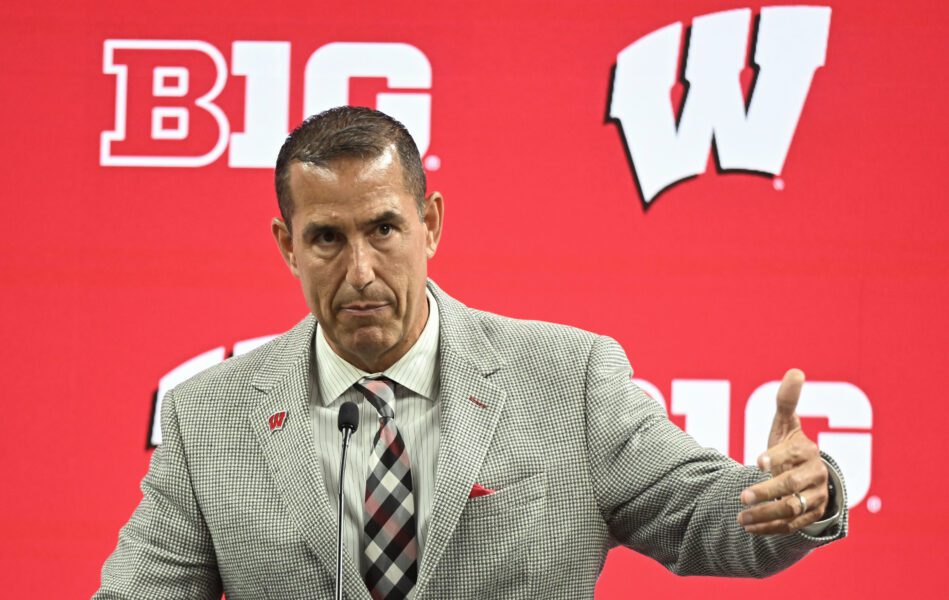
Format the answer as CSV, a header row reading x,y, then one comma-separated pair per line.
x,y
326,237
385,229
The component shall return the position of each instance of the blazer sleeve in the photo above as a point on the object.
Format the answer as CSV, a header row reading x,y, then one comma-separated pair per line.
x,y
165,549
662,494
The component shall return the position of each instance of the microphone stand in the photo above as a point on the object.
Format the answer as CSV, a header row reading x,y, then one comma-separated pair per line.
x,y
347,422
347,432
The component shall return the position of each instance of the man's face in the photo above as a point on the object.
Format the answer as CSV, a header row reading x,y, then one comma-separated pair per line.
x,y
361,253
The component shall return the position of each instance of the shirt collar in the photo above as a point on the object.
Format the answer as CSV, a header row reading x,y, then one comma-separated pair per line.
x,y
415,370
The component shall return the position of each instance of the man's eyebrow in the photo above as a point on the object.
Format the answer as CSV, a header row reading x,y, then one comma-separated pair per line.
x,y
311,229
389,216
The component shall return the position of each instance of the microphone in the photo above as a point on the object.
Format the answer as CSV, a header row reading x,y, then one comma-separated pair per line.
x,y
347,422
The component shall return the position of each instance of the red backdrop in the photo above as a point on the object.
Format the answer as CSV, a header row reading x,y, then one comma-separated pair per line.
x,y
114,275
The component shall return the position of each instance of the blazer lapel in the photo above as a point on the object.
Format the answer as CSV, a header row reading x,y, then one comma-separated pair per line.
x,y
471,406
291,451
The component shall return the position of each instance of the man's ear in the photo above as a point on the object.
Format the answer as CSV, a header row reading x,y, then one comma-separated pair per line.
x,y
433,219
285,243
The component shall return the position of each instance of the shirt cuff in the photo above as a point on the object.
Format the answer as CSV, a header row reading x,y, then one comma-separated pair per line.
x,y
819,527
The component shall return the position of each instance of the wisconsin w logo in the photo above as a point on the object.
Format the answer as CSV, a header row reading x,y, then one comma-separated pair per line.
x,y
791,44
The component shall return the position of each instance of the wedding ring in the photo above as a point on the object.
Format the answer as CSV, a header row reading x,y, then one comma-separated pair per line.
x,y
803,501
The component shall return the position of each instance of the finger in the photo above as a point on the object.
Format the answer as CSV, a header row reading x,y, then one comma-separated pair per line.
x,y
784,526
786,508
787,454
801,477
788,394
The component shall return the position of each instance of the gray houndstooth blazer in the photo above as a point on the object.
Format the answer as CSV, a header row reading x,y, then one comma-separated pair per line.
x,y
547,415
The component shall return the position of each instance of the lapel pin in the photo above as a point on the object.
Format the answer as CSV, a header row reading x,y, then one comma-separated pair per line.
x,y
276,420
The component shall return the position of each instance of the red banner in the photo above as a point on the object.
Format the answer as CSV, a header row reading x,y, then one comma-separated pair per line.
x,y
727,189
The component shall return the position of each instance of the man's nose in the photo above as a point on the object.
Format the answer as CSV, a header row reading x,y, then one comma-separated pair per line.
x,y
359,271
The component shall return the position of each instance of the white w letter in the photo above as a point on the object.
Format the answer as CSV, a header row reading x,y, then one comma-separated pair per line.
x,y
792,44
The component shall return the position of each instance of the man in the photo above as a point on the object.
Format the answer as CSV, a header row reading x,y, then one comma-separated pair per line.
x,y
494,458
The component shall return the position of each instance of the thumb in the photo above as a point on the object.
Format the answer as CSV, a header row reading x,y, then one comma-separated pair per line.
x,y
788,395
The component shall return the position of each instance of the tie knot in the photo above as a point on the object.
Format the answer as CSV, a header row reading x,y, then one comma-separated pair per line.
x,y
380,392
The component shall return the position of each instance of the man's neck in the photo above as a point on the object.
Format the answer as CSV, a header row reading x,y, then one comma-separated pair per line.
x,y
381,362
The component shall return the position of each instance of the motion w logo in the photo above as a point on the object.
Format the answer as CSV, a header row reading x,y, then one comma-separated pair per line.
x,y
791,44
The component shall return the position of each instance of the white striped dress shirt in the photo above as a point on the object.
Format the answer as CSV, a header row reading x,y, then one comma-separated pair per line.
x,y
417,413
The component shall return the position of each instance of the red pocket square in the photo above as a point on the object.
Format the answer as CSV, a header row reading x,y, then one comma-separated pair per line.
x,y
479,490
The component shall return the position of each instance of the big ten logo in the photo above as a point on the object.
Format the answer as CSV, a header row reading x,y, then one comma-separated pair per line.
x,y
667,145
166,113
840,408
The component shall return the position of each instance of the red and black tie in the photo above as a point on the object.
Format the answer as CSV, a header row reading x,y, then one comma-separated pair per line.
x,y
391,554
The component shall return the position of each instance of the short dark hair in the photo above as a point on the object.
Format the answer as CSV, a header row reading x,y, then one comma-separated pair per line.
x,y
348,132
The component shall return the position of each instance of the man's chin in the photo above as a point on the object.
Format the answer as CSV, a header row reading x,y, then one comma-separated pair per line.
x,y
369,342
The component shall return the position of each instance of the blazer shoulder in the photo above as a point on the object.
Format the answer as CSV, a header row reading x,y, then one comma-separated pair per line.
x,y
518,338
239,375
496,325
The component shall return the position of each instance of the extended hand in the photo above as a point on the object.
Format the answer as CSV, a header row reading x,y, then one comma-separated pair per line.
x,y
796,495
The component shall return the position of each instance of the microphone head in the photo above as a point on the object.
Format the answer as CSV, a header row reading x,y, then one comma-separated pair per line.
x,y
348,416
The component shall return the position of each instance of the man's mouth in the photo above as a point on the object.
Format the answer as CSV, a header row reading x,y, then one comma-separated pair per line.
x,y
363,309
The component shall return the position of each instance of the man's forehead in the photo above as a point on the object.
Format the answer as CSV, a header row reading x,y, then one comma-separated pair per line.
x,y
338,204
344,179
358,211
350,168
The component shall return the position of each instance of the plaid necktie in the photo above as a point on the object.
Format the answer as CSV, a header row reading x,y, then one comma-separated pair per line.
x,y
391,547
